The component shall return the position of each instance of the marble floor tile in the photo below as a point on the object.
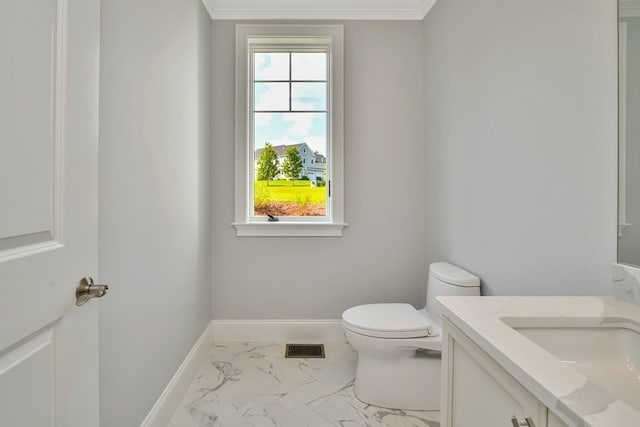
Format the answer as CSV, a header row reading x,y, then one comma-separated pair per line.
x,y
253,385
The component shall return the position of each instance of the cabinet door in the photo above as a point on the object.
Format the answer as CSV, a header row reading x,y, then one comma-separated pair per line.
x,y
554,421
481,393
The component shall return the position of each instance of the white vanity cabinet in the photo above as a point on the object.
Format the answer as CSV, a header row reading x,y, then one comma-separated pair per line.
x,y
477,392
554,421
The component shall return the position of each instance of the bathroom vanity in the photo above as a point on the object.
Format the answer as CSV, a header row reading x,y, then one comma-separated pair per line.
x,y
540,361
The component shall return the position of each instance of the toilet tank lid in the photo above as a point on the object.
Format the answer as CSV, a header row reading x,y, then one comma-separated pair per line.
x,y
453,275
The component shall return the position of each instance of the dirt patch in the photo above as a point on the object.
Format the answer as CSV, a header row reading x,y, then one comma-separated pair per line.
x,y
290,209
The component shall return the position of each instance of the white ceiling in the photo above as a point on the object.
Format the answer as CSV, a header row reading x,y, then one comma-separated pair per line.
x,y
319,9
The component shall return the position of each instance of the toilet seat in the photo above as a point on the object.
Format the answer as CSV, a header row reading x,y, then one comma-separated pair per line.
x,y
388,321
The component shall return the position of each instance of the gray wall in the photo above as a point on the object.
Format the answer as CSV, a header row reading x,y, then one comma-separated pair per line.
x,y
520,142
380,257
154,198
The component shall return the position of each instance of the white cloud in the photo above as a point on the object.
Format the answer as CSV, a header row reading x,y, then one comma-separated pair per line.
x,y
263,119
309,96
291,128
275,96
301,123
272,66
309,66
317,144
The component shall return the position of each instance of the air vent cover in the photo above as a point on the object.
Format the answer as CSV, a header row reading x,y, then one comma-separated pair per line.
x,y
304,351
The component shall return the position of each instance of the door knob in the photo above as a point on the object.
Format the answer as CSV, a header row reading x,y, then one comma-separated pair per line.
x,y
87,290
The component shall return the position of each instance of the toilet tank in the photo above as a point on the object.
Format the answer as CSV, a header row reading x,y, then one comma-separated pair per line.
x,y
448,280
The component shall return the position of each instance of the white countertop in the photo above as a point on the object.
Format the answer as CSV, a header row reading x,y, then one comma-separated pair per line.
x,y
569,394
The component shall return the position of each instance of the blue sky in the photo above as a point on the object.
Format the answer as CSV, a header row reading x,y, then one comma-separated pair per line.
x,y
286,128
291,128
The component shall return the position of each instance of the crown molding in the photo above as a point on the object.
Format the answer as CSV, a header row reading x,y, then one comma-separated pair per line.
x,y
414,10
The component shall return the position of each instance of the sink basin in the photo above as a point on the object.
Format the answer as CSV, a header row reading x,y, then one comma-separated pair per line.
x,y
608,356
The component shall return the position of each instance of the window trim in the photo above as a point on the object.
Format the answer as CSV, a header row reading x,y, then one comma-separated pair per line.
x,y
334,223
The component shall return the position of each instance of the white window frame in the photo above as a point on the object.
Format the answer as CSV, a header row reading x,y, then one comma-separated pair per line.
x,y
245,223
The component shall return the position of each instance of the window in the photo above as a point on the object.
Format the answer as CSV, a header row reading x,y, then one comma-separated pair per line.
x,y
289,130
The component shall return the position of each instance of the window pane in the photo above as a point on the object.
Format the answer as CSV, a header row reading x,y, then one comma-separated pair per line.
x,y
271,66
291,128
309,66
291,191
271,96
308,96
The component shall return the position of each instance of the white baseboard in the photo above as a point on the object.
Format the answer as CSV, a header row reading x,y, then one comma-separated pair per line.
x,y
299,331
170,398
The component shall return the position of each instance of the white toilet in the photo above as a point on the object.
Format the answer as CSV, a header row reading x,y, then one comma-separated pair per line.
x,y
399,346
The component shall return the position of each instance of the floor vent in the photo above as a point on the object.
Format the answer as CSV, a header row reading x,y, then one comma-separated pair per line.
x,y
304,351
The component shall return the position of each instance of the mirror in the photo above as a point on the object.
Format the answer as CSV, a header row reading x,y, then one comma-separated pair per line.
x,y
629,132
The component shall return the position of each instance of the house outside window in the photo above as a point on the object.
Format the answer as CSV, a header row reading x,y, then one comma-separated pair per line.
x,y
289,130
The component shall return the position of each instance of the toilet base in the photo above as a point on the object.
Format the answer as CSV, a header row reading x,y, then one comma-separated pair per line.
x,y
393,373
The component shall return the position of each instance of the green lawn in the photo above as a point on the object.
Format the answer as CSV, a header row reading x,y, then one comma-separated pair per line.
x,y
284,191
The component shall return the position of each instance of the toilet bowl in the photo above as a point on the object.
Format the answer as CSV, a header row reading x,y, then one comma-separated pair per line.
x,y
399,347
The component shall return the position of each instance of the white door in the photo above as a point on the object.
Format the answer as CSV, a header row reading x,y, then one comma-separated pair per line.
x,y
49,58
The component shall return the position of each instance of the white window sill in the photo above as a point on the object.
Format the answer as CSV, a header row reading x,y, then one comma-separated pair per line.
x,y
289,229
